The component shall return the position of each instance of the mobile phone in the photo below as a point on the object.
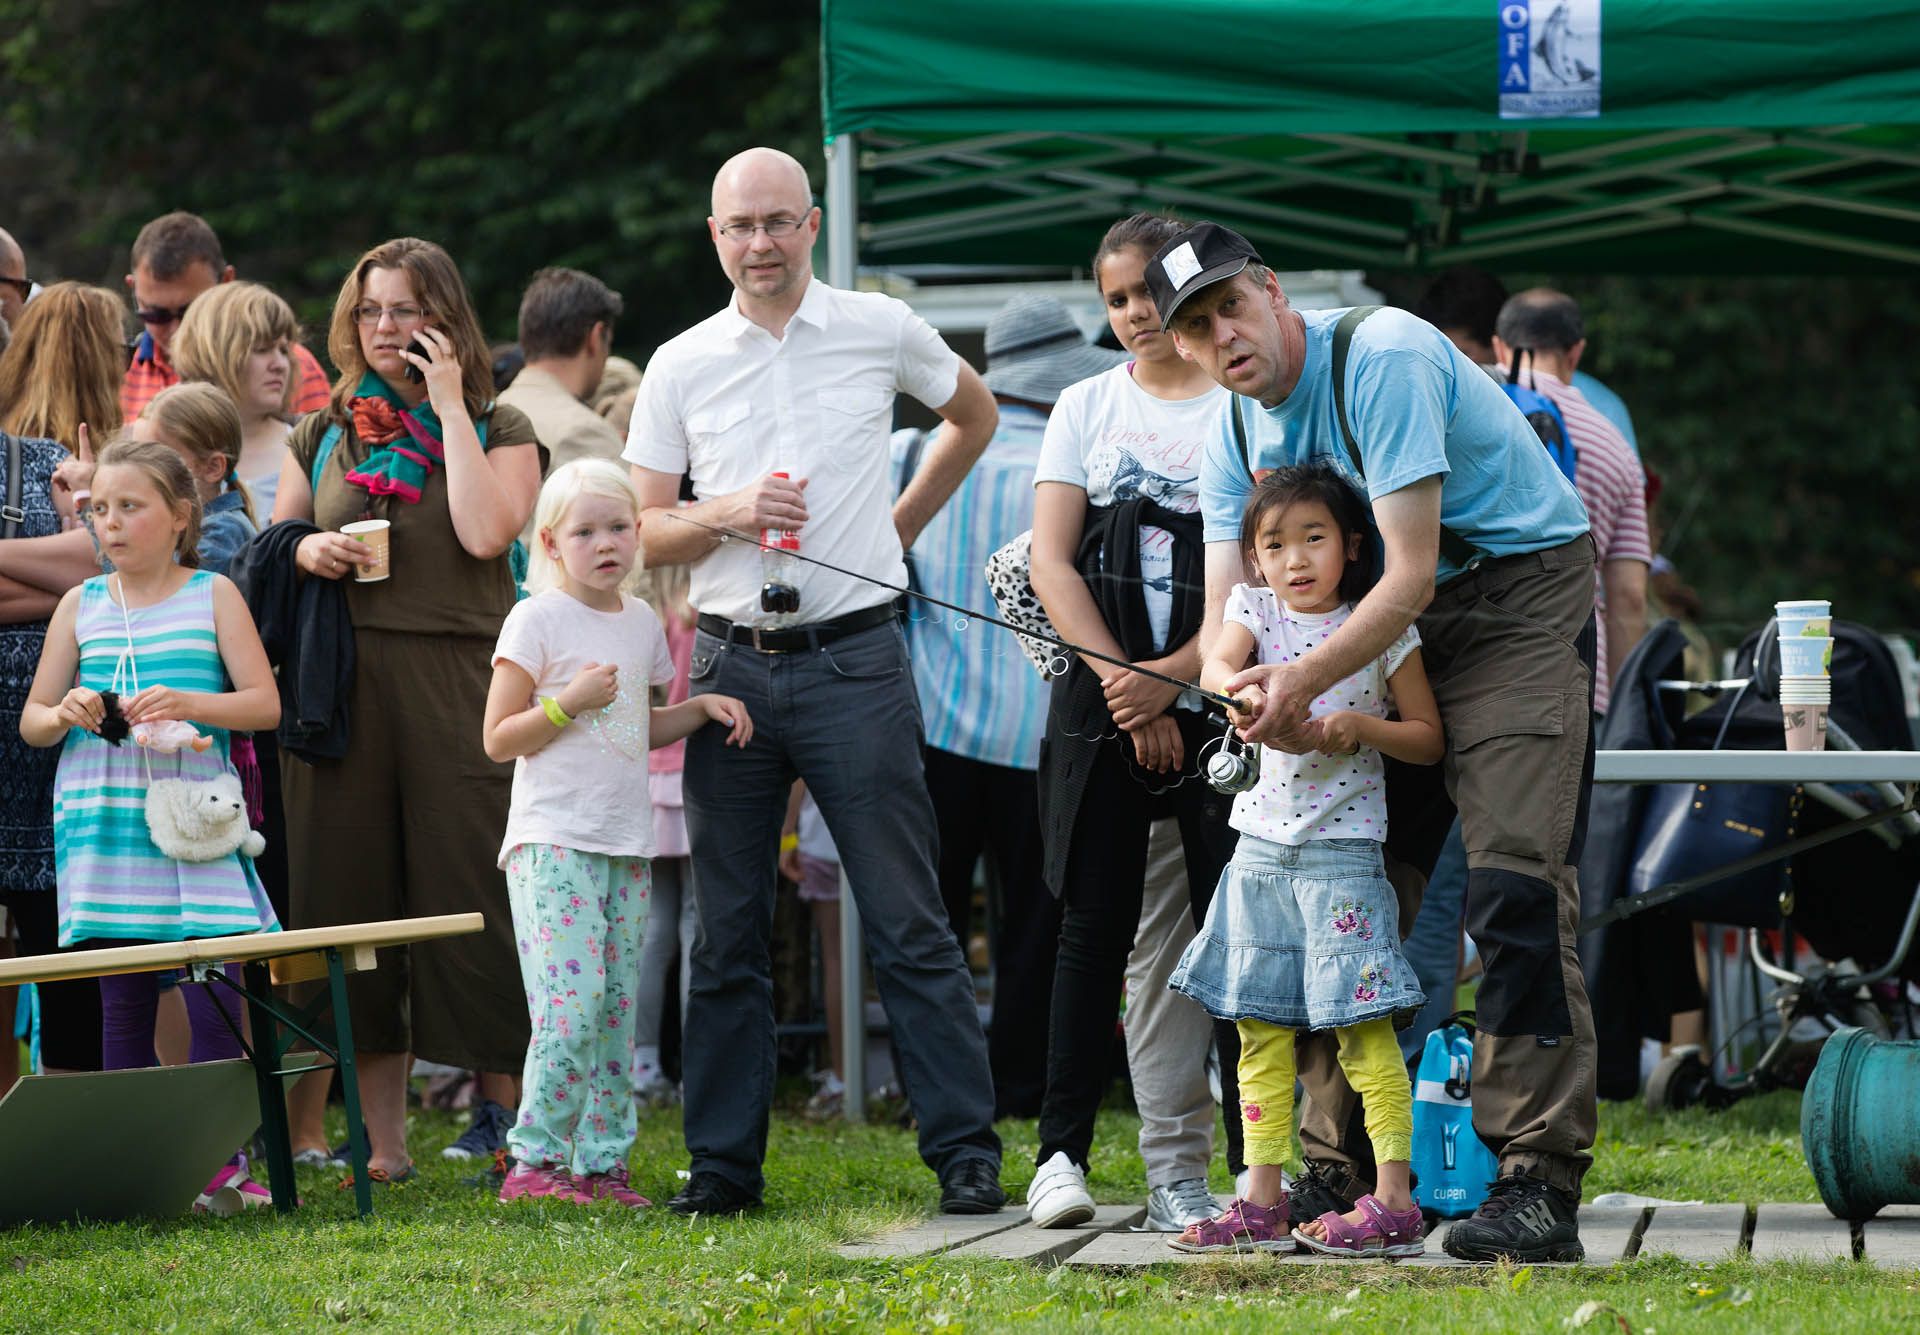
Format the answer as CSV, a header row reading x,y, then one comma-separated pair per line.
x,y
412,372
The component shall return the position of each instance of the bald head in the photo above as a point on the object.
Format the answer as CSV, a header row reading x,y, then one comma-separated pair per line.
x,y
762,177
13,268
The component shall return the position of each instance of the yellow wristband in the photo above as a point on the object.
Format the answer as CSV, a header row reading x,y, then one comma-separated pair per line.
x,y
789,842
557,716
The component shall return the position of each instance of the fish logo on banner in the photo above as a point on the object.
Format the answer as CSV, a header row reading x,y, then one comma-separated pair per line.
x,y
1549,58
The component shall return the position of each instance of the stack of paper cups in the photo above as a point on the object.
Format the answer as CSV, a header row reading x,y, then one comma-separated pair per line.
x,y
1807,618
1806,656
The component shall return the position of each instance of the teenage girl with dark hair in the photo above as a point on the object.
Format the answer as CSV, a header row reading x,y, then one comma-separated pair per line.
x,y
1118,564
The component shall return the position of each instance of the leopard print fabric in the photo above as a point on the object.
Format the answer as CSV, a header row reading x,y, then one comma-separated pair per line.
x,y
1010,580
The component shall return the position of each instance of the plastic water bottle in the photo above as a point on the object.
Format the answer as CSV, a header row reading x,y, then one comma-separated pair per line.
x,y
779,572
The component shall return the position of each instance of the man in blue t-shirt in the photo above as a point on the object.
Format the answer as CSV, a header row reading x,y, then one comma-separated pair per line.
x,y
1486,547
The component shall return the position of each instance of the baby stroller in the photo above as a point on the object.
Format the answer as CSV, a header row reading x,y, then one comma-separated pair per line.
x,y
1844,876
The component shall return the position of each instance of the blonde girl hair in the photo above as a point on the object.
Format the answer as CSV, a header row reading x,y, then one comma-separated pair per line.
x,y
442,295
565,485
170,477
224,327
64,365
202,420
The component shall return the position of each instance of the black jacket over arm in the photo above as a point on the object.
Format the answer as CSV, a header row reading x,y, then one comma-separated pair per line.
x,y
308,637
1079,725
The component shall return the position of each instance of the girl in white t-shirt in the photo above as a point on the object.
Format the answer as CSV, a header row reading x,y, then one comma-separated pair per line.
x,y
570,705
1304,931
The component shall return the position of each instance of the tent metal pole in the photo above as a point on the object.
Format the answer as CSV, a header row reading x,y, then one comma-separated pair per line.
x,y
843,268
1806,236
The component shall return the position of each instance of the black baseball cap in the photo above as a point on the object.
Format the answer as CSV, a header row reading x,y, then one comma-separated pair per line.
x,y
1202,255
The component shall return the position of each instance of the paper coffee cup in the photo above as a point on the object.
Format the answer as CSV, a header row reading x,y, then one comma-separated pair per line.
x,y
377,534
1806,656
1806,690
1806,726
1803,618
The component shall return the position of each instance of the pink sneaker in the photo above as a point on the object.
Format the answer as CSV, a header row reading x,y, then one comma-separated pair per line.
x,y
532,1182
231,1191
612,1185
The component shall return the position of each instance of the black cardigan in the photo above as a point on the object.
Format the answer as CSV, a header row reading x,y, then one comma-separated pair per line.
x,y
1078,721
308,637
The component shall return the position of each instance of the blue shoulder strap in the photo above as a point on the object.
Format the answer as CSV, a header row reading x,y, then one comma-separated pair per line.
x,y
321,455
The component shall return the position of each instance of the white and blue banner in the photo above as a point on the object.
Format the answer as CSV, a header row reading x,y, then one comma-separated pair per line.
x,y
1549,58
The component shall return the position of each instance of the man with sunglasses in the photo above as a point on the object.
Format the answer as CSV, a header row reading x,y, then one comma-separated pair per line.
x,y
15,286
176,257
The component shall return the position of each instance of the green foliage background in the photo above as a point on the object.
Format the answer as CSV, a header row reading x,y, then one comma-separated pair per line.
x,y
1779,410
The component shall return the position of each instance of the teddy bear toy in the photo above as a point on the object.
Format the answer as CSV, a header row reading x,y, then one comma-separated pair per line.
x,y
201,820
170,736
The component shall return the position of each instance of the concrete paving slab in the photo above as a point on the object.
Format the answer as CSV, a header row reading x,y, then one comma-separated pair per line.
x,y
1800,1232
1050,1246
1694,1232
939,1234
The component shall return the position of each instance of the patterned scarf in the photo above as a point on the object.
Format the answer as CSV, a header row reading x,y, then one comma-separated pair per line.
x,y
410,437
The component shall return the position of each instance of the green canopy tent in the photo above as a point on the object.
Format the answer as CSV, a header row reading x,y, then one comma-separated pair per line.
x,y
1689,136
1721,135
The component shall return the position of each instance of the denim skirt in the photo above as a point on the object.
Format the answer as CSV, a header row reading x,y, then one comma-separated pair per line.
x,y
1305,936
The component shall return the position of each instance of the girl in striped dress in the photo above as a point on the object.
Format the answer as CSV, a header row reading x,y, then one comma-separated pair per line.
x,y
170,642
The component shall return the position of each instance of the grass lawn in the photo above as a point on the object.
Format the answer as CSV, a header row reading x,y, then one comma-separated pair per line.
x,y
441,1256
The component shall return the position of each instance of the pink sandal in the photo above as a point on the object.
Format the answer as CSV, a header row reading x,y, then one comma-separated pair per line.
x,y
1244,1227
1383,1233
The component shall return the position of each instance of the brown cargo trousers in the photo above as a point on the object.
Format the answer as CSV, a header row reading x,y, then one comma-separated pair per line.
x,y
1509,647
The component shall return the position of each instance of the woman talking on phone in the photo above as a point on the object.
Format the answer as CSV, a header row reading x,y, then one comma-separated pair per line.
x,y
408,822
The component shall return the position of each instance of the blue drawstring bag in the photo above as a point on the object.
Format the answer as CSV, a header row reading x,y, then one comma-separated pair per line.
x,y
1451,1166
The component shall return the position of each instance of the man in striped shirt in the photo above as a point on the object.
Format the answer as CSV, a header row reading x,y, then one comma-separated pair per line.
x,y
176,257
985,707
1545,328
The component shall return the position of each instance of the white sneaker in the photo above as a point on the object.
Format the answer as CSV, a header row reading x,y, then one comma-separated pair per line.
x,y
1172,1208
1057,1197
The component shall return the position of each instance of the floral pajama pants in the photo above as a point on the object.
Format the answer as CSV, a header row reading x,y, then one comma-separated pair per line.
x,y
579,919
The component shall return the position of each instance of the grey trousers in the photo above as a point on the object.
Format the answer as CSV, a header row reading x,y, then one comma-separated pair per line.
x,y
842,716
670,925
1168,1035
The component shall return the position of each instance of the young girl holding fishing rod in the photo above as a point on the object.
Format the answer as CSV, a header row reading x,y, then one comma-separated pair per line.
x,y
1304,931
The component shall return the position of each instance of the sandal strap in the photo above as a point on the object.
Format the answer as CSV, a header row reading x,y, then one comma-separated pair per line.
x,y
1385,1222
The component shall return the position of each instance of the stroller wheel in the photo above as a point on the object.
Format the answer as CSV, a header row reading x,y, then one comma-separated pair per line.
x,y
1680,1080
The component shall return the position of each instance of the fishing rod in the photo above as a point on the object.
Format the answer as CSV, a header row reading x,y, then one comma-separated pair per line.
x,y
1216,697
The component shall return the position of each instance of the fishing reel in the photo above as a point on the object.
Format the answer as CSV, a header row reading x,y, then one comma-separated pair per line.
x,y
1234,766
779,597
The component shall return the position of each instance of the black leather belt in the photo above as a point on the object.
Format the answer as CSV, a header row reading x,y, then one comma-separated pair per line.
x,y
792,638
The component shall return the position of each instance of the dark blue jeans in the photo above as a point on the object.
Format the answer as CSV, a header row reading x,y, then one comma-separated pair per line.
x,y
844,718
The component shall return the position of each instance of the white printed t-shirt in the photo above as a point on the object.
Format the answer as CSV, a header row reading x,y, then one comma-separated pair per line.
x,y
587,788
1316,796
1115,441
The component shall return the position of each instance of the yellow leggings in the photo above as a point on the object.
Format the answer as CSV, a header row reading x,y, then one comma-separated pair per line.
x,y
1370,1056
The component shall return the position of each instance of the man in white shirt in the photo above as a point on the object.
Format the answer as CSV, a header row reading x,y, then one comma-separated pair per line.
x,y
794,377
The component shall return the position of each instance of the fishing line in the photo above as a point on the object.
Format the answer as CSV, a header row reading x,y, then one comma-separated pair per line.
x,y
1226,701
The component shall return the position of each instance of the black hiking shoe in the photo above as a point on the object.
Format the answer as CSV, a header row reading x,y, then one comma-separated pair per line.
x,y
1523,1219
1322,1187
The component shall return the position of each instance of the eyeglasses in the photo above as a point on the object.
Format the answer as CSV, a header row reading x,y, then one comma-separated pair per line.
x,y
773,227
24,286
401,315
161,314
